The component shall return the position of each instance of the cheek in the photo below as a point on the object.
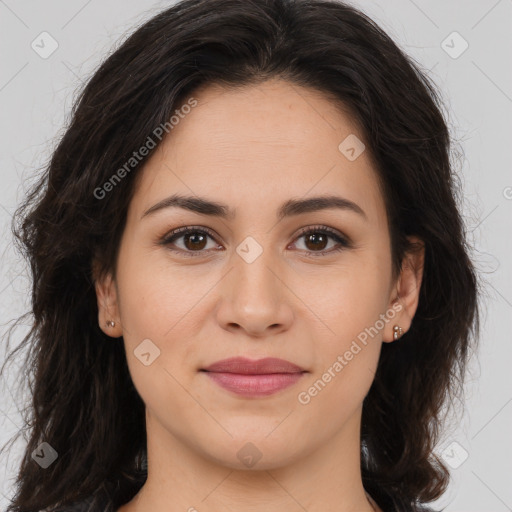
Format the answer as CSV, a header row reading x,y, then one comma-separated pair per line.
x,y
160,308
155,293
348,299
351,306
156,337
349,354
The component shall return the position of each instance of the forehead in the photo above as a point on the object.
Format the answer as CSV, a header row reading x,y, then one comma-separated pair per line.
x,y
252,145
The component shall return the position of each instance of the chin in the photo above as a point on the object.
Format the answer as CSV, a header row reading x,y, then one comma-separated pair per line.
x,y
255,452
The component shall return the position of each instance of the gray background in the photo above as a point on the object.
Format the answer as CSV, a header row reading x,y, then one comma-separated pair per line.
x,y
36,94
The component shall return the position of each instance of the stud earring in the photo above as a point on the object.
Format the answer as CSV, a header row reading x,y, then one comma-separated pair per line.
x,y
110,323
397,332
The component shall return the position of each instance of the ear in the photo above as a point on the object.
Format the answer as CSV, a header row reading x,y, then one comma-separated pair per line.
x,y
108,304
405,296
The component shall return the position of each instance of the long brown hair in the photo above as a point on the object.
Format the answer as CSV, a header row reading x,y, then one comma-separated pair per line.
x,y
84,403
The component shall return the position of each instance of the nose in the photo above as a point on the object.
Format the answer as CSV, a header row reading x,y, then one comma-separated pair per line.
x,y
255,297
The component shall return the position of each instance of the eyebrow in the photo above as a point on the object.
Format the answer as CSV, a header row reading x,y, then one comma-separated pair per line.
x,y
288,209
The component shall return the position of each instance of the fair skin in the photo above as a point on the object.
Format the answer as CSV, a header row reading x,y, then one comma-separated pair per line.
x,y
252,149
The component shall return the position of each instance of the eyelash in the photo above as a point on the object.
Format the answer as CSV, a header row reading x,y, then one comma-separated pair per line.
x,y
343,243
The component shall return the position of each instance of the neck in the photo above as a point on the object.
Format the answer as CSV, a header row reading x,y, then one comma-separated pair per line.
x,y
185,478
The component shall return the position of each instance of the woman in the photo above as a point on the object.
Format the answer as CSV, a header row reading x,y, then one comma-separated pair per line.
x,y
251,289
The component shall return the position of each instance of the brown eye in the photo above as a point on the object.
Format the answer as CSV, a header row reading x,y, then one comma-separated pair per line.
x,y
316,241
194,240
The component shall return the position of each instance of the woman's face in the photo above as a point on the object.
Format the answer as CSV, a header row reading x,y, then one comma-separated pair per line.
x,y
250,284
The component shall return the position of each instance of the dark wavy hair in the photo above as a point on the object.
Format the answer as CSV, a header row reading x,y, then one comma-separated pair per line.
x,y
83,401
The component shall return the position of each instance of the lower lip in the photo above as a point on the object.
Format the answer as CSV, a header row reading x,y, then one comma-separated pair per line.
x,y
254,385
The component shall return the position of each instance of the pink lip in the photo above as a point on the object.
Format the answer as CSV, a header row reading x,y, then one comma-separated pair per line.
x,y
254,378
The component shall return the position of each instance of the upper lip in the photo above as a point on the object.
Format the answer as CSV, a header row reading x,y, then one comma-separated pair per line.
x,y
242,365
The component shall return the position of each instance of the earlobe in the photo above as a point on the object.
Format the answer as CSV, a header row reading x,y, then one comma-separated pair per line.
x,y
407,291
394,329
108,310
397,332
